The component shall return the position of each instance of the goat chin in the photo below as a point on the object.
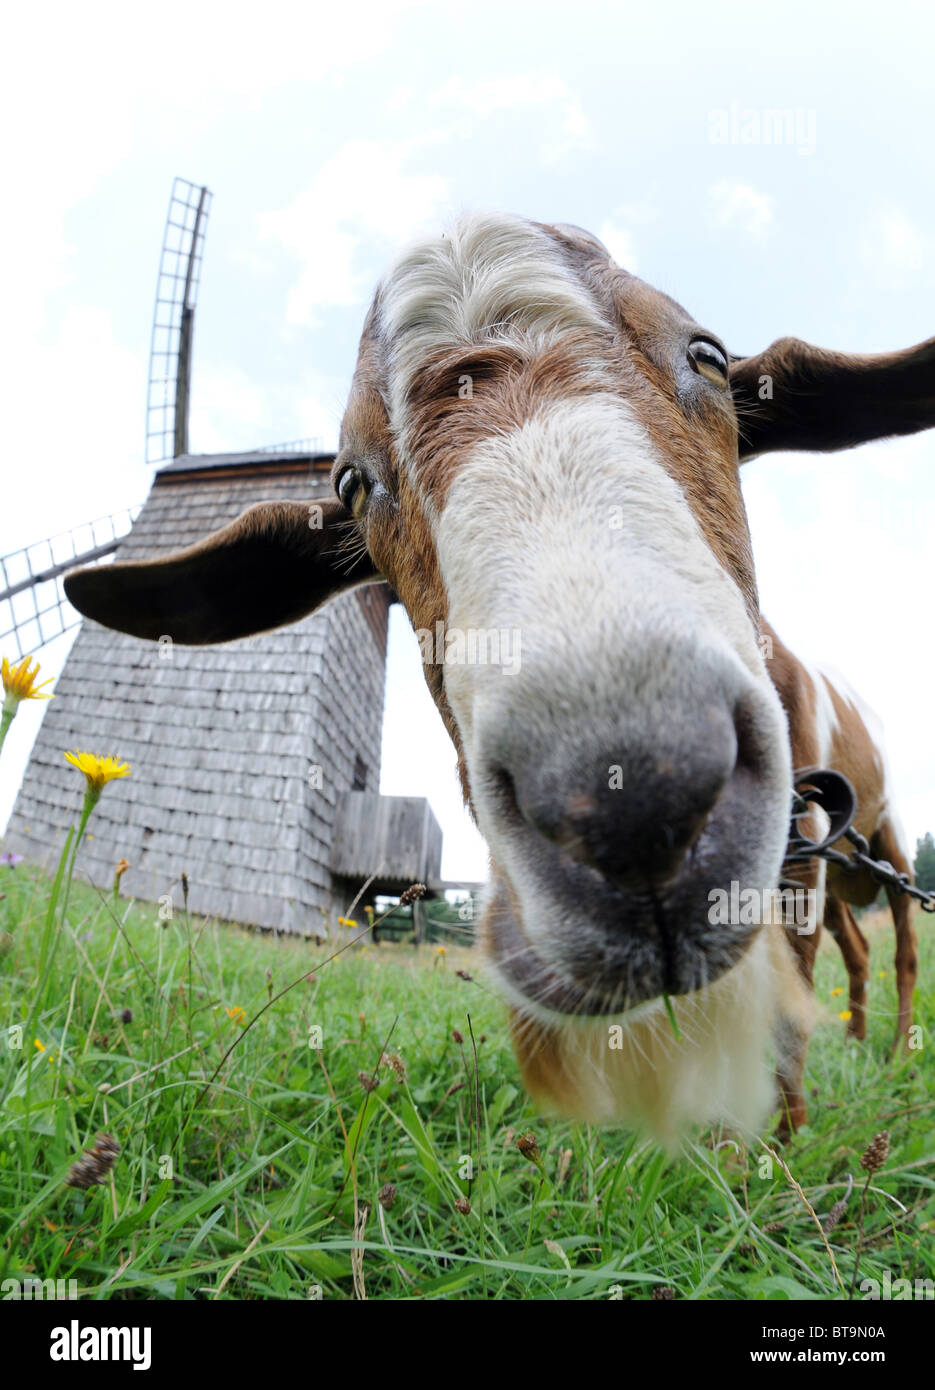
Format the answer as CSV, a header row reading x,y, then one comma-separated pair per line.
x,y
722,1069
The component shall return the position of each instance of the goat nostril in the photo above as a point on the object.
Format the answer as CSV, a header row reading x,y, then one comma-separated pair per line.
x,y
638,829
567,820
749,747
503,789
539,808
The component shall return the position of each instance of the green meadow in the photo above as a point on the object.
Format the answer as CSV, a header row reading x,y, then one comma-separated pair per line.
x,y
357,1137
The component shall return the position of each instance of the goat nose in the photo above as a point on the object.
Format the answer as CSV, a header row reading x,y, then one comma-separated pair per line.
x,y
631,812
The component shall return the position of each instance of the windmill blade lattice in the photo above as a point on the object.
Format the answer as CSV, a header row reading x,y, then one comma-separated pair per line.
x,y
173,321
33,607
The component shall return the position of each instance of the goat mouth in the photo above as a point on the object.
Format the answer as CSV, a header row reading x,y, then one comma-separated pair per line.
x,y
609,974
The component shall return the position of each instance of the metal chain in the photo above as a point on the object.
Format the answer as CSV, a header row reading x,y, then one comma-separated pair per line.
x,y
831,790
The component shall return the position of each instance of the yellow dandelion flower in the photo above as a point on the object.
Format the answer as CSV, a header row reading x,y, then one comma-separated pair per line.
x,y
844,1015
882,974
442,950
38,1044
237,1014
346,922
19,682
836,992
98,771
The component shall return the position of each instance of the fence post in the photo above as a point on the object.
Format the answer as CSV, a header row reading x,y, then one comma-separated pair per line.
x,y
418,921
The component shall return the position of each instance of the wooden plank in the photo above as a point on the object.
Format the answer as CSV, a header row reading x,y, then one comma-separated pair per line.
x,y
395,837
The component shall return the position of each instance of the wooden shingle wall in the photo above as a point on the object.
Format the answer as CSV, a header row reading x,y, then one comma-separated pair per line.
x,y
239,752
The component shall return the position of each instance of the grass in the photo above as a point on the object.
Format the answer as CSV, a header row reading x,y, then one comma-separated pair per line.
x,y
256,1173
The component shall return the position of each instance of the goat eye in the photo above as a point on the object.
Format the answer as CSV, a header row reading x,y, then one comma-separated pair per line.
x,y
709,361
352,491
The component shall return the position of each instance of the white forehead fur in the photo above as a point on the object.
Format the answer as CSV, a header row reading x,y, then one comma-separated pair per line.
x,y
490,278
569,532
571,522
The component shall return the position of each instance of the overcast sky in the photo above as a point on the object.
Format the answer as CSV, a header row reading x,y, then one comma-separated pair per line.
x,y
330,135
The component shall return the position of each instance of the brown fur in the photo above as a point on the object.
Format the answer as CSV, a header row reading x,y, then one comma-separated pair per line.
x,y
853,752
270,566
831,400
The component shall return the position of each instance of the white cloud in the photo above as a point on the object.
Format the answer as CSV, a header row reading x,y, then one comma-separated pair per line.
x,y
74,441
232,411
81,87
617,232
568,129
228,411
362,203
640,212
739,207
619,242
894,250
320,407
844,573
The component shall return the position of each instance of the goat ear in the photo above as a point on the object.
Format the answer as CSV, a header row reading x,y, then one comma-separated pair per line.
x,y
271,566
795,396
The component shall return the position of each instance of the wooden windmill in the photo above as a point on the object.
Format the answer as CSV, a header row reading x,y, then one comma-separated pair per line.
x,y
256,764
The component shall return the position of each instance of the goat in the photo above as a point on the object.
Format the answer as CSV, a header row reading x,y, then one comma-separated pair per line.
x,y
538,442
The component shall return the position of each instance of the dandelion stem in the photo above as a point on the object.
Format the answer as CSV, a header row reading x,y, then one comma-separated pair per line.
x,y
6,719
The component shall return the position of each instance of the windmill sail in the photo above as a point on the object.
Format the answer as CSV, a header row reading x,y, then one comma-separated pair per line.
x,y
170,358
33,607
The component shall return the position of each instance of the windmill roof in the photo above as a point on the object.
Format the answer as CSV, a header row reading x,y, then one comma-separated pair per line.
x,y
196,463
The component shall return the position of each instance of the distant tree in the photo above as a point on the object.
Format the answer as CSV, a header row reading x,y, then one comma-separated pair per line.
x,y
925,862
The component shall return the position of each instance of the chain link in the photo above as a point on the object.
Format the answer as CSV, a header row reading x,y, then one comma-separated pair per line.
x,y
831,790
